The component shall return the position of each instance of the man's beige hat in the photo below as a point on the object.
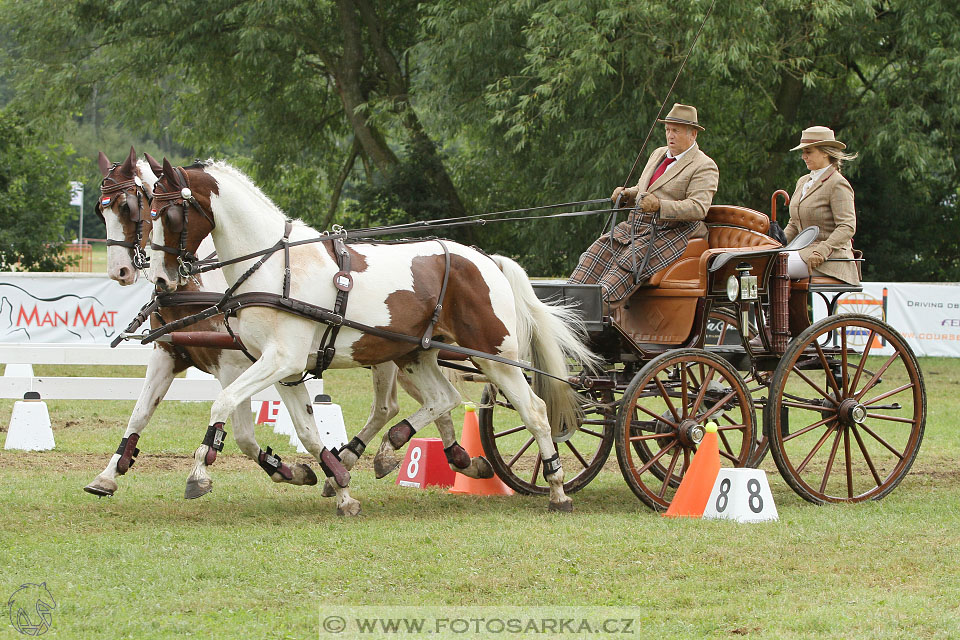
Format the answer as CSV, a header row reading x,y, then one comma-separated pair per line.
x,y
818,137
683,114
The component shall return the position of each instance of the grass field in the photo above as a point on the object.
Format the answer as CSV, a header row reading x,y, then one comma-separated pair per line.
x,y
258,560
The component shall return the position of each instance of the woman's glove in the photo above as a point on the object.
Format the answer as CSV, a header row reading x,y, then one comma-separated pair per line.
x,y
815,260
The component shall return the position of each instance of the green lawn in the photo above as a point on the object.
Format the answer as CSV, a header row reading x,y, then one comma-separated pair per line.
x,y
258,560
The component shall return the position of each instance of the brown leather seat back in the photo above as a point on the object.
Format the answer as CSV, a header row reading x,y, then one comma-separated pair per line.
x,y
733,216
725,237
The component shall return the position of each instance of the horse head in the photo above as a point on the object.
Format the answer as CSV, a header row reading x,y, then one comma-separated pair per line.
x,y
181,205
125,193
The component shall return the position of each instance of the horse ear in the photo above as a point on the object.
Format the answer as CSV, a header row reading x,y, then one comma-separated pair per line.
x,y
127,167
155,166
103,163
169,173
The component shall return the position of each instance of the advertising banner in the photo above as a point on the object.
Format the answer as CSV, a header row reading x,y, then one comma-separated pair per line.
x,y
927,314
67,307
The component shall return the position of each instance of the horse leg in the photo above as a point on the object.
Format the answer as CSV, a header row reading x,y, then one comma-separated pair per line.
x,y
158,378
298,404
242,421
457,457
384,407
439,398
268,370
533,412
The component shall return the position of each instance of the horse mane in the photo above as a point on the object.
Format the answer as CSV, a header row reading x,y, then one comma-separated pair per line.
x,y
233,172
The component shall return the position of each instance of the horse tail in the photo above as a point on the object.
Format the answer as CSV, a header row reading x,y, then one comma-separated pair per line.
x,y
549,335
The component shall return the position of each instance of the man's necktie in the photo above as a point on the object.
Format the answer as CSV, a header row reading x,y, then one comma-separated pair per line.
x,y
663,167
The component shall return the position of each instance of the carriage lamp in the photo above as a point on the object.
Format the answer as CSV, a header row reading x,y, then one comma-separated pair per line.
x,y
733,288
748,283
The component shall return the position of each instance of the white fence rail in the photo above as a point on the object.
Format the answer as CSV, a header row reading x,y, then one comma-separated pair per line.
x,y
93,388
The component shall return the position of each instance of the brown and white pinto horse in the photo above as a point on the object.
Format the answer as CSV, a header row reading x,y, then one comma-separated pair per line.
x,y
489,306
126,192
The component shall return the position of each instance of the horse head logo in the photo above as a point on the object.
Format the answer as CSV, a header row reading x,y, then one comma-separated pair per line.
x,y
31,609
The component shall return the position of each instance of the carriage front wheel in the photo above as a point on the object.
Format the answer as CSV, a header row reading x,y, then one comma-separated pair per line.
x,y
662,418
846,410
515,457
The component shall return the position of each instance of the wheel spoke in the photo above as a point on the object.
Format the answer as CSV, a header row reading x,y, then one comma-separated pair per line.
x,y
655,416
666,479
826,368
536,470
590,432
508,431
702,392
882,396
809,407
651,436
723,438
577,454
808,428
863,361
719,405
666,398
812,383
881,441
734,459
516,457
655,457
683,390
830,460
815,449
880,416
846,453
876,377
866,456
843,362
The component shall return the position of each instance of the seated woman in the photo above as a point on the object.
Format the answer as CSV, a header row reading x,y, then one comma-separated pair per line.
x,y
823,198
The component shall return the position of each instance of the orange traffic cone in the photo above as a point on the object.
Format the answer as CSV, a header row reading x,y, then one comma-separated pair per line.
x,y
694,490
470,440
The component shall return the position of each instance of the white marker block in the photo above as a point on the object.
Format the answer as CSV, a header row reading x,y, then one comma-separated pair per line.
x,y
329,419
29,427
18,370
742,495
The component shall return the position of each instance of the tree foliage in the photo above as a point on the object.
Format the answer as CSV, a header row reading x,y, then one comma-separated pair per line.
x,y
422,110
34,199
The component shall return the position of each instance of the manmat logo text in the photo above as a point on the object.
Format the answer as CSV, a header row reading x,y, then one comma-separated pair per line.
x,y
66,318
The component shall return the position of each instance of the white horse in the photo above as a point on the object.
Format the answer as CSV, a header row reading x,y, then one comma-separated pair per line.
x,y
489,306
127,190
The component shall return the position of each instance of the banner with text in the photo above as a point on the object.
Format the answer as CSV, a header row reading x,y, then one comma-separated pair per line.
x,y
926,314
67,307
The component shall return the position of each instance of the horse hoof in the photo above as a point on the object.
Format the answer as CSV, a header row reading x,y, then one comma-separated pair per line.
x,y
350,507
563,507
328,490
484,468
384,465
306,473
197,488
101,487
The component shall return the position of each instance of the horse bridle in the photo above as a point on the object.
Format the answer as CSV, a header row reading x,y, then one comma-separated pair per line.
x,y
135,194
176,206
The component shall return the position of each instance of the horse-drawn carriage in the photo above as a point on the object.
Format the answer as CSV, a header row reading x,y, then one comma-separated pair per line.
x,y
843,402
844,422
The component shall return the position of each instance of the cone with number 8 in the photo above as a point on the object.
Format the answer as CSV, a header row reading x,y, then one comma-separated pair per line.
x,y
470,440
694,490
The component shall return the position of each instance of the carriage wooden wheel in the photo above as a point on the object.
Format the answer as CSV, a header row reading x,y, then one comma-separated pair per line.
x,y
511,449
844,421
662,419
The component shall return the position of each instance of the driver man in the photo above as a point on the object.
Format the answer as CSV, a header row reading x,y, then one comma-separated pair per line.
x,y
676,187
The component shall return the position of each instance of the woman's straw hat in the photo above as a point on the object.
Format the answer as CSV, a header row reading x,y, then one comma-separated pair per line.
x,y
683,114
818,137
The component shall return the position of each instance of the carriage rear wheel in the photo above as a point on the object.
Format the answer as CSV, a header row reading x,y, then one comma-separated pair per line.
x,y
845,416
515,456
662,416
